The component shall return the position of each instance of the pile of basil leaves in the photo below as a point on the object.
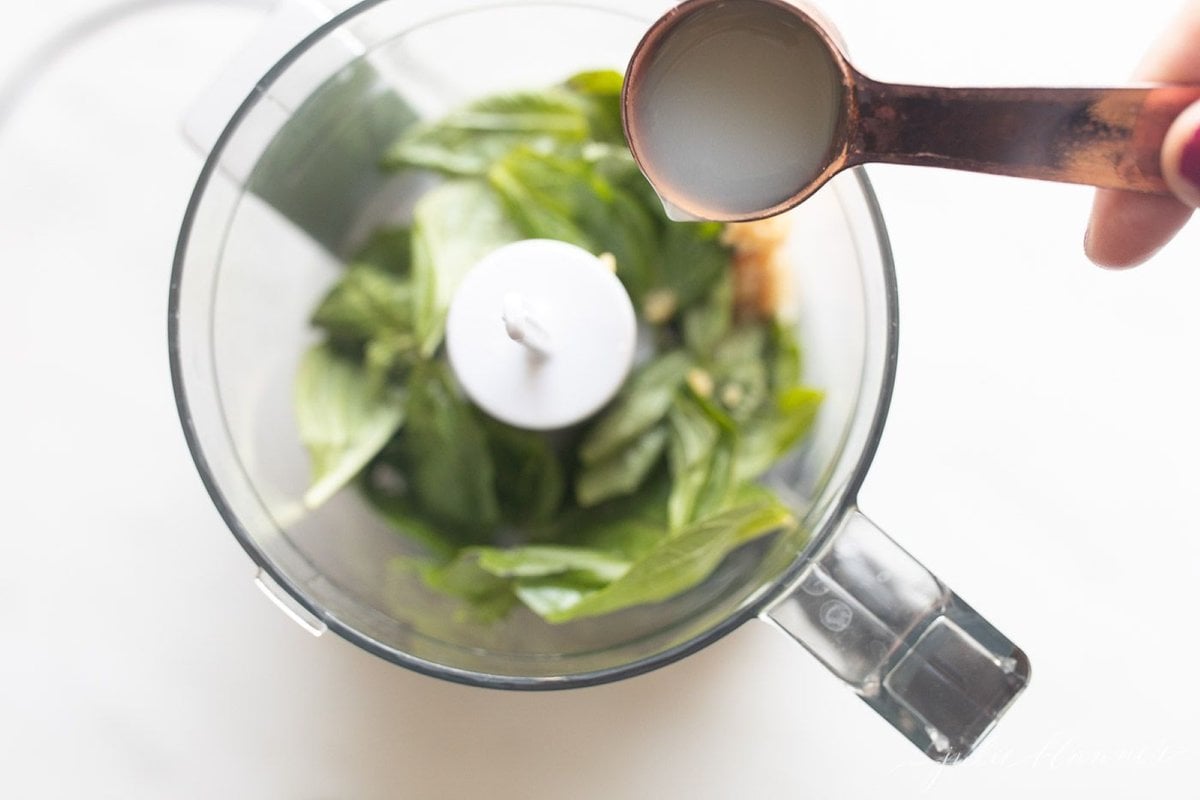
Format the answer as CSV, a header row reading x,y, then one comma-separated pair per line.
x,y
636,504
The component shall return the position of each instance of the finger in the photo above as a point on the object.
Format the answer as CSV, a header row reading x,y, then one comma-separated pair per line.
x,y
1127,228
1181,156
1175,56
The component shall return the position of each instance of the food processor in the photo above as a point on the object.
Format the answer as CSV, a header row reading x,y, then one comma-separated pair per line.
x,y
293,186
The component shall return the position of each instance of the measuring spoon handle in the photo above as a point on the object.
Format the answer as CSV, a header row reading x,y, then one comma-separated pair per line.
x,y
1099,137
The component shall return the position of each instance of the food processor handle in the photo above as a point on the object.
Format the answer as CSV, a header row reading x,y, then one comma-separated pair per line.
x,y
907,645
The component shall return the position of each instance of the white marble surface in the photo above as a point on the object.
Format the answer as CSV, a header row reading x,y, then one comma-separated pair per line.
x,y
1039,457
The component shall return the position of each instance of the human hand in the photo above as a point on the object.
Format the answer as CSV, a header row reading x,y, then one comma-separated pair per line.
x,y
1127,228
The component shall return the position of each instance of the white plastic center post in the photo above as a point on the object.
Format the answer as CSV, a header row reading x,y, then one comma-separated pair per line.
x,y
541,334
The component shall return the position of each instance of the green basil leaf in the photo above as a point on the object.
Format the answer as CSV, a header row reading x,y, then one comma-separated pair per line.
x,y
706,324
487,579
601,90
400,511
642,403
717,493
343,420
622,472
705,489
547,195
389,355
742,389
552,595
530,485
691,259
367,302
630,536
693,436
763,440
565,196
388,250
617,165
786,360
468,141
738,371
535,561
715,410
744,343
625,526
682,561
629,234
797,408
449,465
486,597
454,226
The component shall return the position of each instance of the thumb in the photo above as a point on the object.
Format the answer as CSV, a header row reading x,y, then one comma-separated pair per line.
x,y
1181,156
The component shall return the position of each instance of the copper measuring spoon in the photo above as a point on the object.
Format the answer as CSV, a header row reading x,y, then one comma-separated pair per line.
x,y
741,109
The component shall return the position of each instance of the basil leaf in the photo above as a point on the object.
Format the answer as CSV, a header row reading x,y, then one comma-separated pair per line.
x,y
446,454
389,354
797,408
489,578
373,309
630,536
343,420
739,374
625,526
785,359
706,324
691,258
547,195
565,196
468,141
765,439
622,472
531,485
487,598
454,226
715,410
556,594
535,561
601,90
367,302
642,403
719,485
704,489
744,343
693,437
742,389
400,511
773,431
693,434
388,250
682,561
617,165
629,234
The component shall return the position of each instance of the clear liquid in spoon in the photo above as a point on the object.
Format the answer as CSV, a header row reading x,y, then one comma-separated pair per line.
x,y
736,111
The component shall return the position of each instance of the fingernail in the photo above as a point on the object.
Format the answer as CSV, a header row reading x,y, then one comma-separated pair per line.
x,y
1189,159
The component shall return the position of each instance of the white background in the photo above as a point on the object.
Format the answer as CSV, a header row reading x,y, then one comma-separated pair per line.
x,y
1040,457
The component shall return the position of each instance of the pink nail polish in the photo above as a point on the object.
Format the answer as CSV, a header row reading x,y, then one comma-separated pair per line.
x,y
1189,159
